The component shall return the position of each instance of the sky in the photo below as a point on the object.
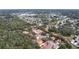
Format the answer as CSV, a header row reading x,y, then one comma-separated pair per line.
x,y
39,4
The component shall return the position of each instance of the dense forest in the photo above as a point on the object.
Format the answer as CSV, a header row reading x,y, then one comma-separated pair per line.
x,y
11,34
